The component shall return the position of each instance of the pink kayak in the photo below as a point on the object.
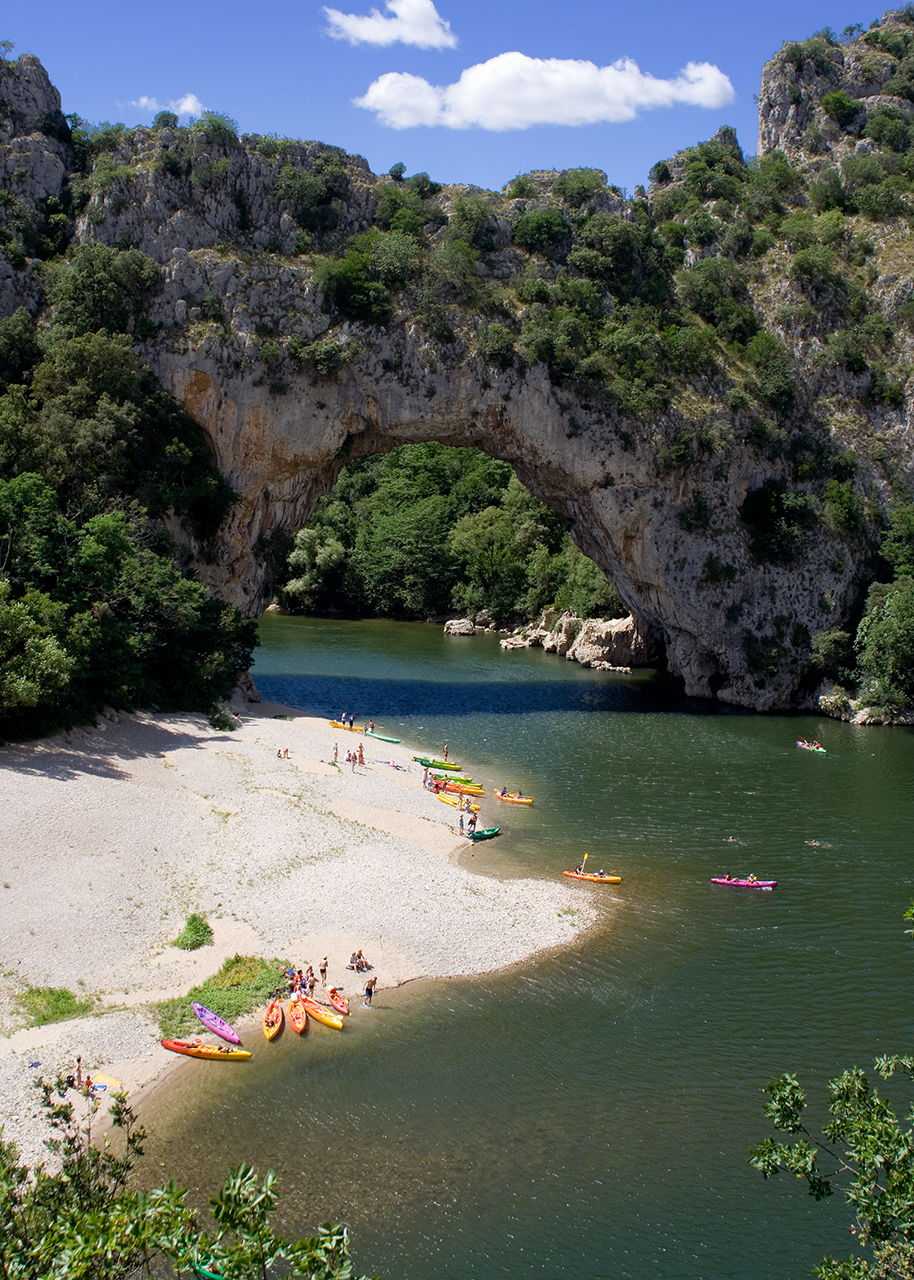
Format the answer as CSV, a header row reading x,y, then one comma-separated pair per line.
x,y
213,1022
749,882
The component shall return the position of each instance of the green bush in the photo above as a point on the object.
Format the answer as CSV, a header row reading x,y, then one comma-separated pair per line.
x,y
349,288
832,655
624,256
471,220
315,196
243,983
774,373
577,186
495,344
325,355
890,128
42,1005
843,508
195,934
102,288
216,127
540,231
778,522
885,643
165,120
842,109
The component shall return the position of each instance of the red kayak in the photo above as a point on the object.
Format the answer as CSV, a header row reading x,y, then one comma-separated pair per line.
x,y
339,1002
747,882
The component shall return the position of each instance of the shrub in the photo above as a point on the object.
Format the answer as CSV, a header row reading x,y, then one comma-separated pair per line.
x,y
165,120
19,349
325,355
577,186
314,196
624,256
773,370
102,288
697,515
843,508
349,289
195,934
42,1005
778,522
816,272
206,173
880,202
889,128
471,220
815,50
495,344
216,127
540,231
841,108
832,655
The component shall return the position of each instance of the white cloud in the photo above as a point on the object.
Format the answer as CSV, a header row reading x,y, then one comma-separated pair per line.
x,y
513,91
414,22
189,105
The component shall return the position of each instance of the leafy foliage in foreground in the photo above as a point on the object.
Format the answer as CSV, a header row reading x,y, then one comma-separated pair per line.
x,y
85,1221
426,529
241,984
93,453
869,1151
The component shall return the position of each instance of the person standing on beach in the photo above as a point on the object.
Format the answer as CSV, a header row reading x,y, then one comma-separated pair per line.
x,y
445,751
351,721
369,989
460,823
371,726
361,754
336,751
323,970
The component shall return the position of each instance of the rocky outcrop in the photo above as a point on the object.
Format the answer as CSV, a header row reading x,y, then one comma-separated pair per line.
x,y
615,644
460,627
231,335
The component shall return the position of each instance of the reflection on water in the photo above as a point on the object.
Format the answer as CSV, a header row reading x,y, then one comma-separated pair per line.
x,y
588,1113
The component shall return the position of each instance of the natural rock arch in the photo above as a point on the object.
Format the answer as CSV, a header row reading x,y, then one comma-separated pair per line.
x,y
282,452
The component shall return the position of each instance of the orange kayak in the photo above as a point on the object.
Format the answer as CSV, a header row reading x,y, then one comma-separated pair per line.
x,y
320,1014
516,798
339,1002
592,875
458,788
297,1016
273,1019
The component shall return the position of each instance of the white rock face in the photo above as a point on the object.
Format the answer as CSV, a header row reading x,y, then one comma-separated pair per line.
x,y
460,627
618,642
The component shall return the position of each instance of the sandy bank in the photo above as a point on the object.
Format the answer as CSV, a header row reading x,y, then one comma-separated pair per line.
x,y
113,835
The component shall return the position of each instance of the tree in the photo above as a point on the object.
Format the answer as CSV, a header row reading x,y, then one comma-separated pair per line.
x,y
315,556
876,1166
885,640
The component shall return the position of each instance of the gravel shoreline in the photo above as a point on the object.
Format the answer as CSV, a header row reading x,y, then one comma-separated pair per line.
x,y
114,834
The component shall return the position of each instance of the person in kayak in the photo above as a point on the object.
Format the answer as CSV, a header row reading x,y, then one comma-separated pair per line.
x,y
503,792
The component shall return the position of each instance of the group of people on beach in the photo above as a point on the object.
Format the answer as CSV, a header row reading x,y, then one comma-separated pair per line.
x,y
302,982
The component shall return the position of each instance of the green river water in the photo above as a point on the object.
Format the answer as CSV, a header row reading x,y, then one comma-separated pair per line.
x,y
588,1113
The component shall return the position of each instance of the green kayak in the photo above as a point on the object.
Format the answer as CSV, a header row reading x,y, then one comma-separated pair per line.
x,y
449,777
485,833
437,764
382,737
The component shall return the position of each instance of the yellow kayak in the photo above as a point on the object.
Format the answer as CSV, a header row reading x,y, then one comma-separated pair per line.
x,y
456,803
320,1014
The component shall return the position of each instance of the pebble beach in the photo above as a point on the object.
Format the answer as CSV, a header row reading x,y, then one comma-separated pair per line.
x,y
114,834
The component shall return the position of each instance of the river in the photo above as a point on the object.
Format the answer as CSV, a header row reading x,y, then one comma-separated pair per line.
x,y
589,1113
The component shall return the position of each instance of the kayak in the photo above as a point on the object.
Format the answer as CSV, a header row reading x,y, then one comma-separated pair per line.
x,y
382,737
213,1022
517,798
592,875
809,746
451,777
297,1016
273,1019
437,764
455,803
746,882
204,1269
355,728
463,789
484,833
320,1014
339,1002
197,1049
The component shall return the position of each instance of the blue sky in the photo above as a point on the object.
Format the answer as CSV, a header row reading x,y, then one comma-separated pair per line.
x,y
435,88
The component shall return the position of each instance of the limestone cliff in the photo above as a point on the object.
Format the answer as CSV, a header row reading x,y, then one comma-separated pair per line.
x,y
288,384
